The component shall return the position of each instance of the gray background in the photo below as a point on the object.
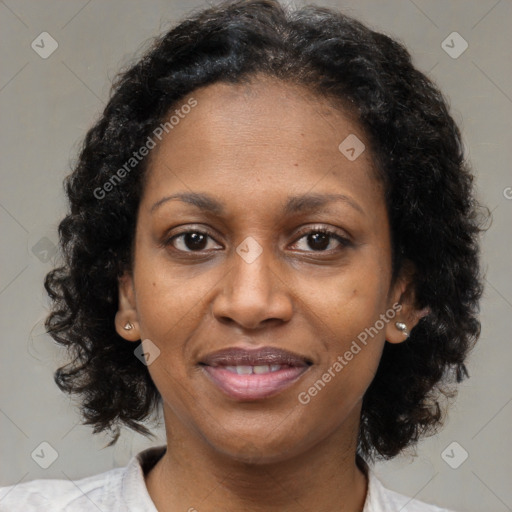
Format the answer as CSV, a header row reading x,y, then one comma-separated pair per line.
x,y
47,105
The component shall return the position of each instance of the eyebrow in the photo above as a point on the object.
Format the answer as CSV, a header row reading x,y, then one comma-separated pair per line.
x,y
293,204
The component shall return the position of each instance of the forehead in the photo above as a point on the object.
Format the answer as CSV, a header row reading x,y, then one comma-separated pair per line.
x,y
268,109
261,138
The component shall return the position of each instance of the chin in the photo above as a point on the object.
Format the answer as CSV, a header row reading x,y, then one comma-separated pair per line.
x,y
259,445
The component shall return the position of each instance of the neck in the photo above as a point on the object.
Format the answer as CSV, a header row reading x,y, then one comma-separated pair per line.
x,y
191,475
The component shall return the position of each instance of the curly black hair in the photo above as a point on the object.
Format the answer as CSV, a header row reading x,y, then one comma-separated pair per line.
x,y
434,217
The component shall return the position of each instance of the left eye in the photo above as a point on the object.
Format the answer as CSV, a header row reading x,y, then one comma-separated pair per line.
x,y
320,240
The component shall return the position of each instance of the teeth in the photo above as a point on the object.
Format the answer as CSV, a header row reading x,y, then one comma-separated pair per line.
x,y
248,370
261,369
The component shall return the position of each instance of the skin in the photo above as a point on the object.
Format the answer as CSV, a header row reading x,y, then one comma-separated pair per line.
x,y
250,147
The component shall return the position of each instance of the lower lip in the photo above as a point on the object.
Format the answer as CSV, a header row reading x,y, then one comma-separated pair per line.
x,y
253,386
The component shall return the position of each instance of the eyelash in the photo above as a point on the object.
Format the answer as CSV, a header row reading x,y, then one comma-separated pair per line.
x,y
343,241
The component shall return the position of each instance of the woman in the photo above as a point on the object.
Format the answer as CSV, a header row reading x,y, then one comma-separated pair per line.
x,y
273,236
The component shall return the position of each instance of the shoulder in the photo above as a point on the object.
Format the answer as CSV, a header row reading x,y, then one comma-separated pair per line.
x,y
115,490
381,499
84,495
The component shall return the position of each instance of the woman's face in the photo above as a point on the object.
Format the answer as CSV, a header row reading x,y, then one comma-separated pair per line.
x,y
246,267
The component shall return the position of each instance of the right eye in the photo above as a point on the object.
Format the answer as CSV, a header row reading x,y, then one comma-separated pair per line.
x,y
189,241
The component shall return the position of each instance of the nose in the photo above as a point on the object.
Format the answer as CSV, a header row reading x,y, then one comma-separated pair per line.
x,y
253,294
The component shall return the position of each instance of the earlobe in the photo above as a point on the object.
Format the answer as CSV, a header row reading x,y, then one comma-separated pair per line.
x,y
126,319
398,330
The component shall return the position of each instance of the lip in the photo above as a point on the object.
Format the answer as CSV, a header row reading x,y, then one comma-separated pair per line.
x,y
235,356
251,387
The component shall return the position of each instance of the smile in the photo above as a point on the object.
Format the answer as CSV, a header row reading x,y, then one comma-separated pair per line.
x,y
253,382
253,374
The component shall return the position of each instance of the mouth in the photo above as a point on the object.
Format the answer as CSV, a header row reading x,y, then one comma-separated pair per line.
x,y
255,374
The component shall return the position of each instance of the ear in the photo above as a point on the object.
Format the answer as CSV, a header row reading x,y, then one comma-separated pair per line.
x,y
403,301
126,320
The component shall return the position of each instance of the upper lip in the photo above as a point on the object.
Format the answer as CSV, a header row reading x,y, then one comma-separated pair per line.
x,y
236,356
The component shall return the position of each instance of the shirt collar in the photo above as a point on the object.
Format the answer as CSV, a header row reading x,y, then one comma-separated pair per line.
x,y
133,487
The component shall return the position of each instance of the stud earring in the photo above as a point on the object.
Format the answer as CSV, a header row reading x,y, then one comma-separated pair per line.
x,y
128,326
402,327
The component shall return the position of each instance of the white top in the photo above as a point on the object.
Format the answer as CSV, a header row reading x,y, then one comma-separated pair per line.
x,y
124,490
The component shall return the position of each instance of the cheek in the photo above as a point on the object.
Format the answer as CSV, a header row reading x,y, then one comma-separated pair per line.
x,y
169,309
348,301
346,310
168,298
